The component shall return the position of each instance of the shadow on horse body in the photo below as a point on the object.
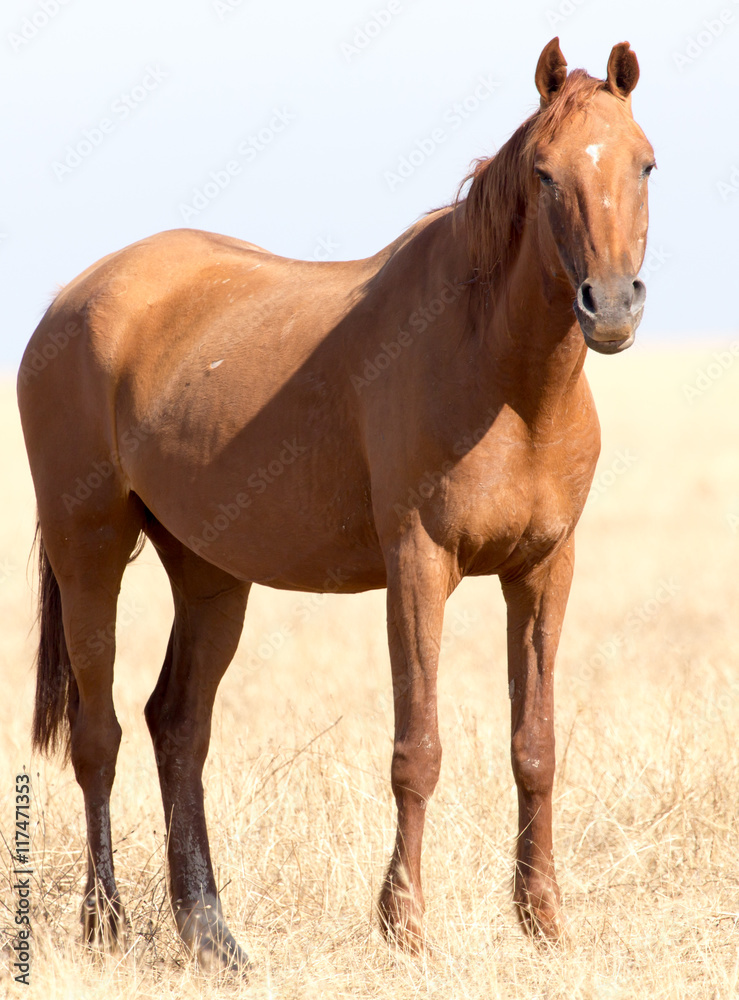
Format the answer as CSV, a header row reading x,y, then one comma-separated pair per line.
x,y
400,422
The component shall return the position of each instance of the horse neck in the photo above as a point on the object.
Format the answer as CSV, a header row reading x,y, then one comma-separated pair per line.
x,y
533,349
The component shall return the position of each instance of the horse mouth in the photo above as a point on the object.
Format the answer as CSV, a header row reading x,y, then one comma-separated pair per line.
x,y
609,346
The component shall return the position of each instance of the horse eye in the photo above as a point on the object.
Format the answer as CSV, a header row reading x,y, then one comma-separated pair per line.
x,y
648,169
544,177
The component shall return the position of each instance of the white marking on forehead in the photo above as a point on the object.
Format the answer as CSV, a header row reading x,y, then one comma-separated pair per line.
x,y
594,153
606,201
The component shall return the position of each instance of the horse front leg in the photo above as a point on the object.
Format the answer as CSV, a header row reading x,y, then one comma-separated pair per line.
x,y
419,577
536,604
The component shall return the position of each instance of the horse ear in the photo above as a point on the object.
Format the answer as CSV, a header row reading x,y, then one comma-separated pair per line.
x,y
551,71
623,70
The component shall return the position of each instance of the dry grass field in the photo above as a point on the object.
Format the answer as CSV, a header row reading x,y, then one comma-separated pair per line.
x,y
298,795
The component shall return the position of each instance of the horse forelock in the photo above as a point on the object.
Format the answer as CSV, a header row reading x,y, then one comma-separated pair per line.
x,y
577,92
497,202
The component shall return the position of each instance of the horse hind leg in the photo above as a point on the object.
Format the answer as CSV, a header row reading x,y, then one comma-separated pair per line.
x,y
209,616
83,560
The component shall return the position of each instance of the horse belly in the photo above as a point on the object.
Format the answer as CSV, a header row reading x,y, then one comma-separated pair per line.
x,y
286,507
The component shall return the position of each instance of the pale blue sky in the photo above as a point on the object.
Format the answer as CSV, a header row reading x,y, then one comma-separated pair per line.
x,y
308,122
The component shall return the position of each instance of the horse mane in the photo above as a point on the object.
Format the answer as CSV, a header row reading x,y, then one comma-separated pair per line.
x,y
497,201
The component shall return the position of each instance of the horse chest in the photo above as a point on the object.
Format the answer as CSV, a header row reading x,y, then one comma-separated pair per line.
x,y
515,505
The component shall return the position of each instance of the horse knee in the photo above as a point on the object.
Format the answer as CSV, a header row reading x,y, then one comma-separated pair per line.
x,y
415,767
533,765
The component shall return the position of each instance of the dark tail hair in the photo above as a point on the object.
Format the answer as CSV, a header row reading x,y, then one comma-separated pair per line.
x,y
55,683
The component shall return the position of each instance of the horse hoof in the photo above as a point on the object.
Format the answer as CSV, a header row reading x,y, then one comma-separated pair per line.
x,y
400,924
540,914
104,922
203,929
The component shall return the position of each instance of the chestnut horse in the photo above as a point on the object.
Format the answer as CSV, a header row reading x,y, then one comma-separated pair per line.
x,y
401,421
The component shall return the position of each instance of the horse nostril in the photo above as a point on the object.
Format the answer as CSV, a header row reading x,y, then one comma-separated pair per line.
x,y
640,294
587,302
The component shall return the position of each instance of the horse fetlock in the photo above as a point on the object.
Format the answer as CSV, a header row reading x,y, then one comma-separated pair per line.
x,y
400,911
537,900
104,921
204,931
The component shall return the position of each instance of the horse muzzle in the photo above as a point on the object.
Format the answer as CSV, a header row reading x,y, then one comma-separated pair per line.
x,y
610,312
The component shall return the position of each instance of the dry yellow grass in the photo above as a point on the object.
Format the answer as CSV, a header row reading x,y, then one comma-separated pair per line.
x,y
648,765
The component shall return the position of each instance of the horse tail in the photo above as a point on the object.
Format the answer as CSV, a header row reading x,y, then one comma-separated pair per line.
x,y
55,683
